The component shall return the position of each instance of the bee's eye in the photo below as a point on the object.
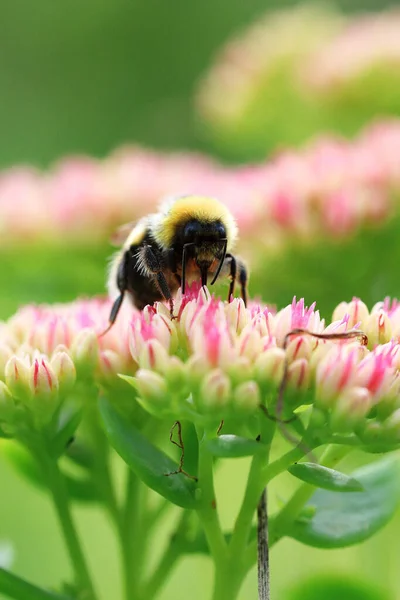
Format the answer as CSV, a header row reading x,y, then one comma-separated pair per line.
x,y
191,230
220,230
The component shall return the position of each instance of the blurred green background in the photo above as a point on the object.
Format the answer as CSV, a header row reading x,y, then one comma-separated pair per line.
x,y
84,77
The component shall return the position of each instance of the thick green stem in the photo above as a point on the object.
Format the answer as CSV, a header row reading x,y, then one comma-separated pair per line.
x,y
227,582
58,490
17,588
161,573
254,489
132,536
208,514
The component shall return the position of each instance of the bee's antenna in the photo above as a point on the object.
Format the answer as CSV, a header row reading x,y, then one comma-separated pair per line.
x,y
221,262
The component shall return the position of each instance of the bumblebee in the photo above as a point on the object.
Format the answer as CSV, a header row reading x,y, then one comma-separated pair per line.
x,y
189,238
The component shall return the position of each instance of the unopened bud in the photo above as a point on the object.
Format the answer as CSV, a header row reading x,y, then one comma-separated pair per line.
x,y
153,356
44,387
85,352
378,329
240,370
350,410
236,314
17,376
356,310
334,372
250,343
269,366
298,374
247,397
215,390
64,370
299,347
151,387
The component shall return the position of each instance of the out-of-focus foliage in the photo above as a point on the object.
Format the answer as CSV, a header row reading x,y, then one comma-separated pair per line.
x,y
298,71
332,587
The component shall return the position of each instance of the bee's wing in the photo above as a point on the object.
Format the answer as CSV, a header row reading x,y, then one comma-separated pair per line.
x,y
119,236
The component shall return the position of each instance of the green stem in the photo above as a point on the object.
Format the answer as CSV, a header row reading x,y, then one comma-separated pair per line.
x,y
288,514
254,489
18,589
58,490
227,583
161,573
132,536
208,514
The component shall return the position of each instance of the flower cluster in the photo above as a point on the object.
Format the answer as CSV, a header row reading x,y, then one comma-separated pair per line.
x,y
213,361
46,352
331,186
315,49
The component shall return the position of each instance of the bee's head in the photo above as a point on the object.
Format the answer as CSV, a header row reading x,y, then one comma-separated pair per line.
x,y
205,242
197,228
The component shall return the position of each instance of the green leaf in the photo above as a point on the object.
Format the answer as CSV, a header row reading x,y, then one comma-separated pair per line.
x,y
15,587
148,462
233,446
325,478
79,489
345,519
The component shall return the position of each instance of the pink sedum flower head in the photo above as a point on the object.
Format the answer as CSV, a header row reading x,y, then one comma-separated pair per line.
x,y
215,360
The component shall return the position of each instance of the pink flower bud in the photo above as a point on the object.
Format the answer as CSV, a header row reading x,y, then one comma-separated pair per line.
x,y
378,329
299,374
152,388
269,366
43,380
350,409
153,356
85,352
299,347
44,387
240,370
356,310
214,343
159,328
247,397
250,343
110,365
197,367
236,314
215,391
64,370
17,378
335,372
375,372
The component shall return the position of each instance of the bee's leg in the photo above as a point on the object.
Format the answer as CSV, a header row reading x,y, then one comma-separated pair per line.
x,y
152,260
243,279
237,272
122,283
232,275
